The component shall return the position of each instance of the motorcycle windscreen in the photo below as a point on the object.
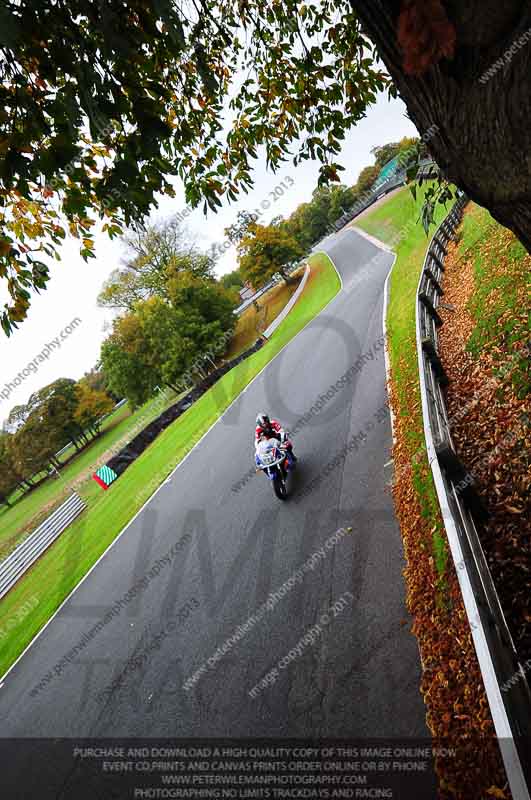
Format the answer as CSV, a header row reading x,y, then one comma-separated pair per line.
x,y
267,451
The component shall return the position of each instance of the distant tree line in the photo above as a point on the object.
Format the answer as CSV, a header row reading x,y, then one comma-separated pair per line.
x,y
64,411
264,250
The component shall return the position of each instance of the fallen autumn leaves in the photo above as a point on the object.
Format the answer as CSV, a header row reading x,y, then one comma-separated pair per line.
x,y
452,687
494,437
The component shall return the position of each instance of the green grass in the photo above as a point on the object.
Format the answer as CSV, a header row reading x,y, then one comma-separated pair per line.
x,y
500,303
61,568
390,220
30,509
396,223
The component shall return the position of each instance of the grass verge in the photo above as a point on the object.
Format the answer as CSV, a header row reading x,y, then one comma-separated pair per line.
x,y
396,223
499,305
61,568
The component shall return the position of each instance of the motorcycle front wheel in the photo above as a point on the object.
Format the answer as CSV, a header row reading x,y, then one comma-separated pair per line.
x,y
280,488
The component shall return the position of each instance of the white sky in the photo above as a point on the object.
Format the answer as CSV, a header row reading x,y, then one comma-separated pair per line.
x,y
74,285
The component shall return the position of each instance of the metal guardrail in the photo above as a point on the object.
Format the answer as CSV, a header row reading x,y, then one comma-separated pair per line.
x,y
250,300
427,169
463,513
265,288
375,193
428,172
289,305
32,548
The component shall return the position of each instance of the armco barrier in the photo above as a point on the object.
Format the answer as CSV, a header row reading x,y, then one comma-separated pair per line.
x,y
32,548
265,288
462,514
289,305
427,170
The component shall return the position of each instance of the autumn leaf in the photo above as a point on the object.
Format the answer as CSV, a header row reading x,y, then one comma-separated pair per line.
x,y
494,791
425,34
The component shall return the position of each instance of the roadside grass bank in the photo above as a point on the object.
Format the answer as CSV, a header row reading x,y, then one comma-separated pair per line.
x,y
30,509
486,351
61,568
452,687
395,223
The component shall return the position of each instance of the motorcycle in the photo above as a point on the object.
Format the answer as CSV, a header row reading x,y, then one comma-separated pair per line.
x,y
273,458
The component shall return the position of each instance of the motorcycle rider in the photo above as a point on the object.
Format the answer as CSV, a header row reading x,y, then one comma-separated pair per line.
x,y
272,429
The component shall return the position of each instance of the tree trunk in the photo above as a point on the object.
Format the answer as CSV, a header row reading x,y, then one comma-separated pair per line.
x,y
480,129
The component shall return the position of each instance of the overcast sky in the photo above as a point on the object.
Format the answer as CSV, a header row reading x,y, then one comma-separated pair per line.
x,y
74,286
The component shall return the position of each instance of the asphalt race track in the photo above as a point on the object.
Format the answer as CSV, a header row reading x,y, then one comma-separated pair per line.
x,y
358,674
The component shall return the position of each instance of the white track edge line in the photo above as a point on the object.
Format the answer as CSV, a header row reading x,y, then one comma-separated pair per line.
x,y
387,358
372,239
